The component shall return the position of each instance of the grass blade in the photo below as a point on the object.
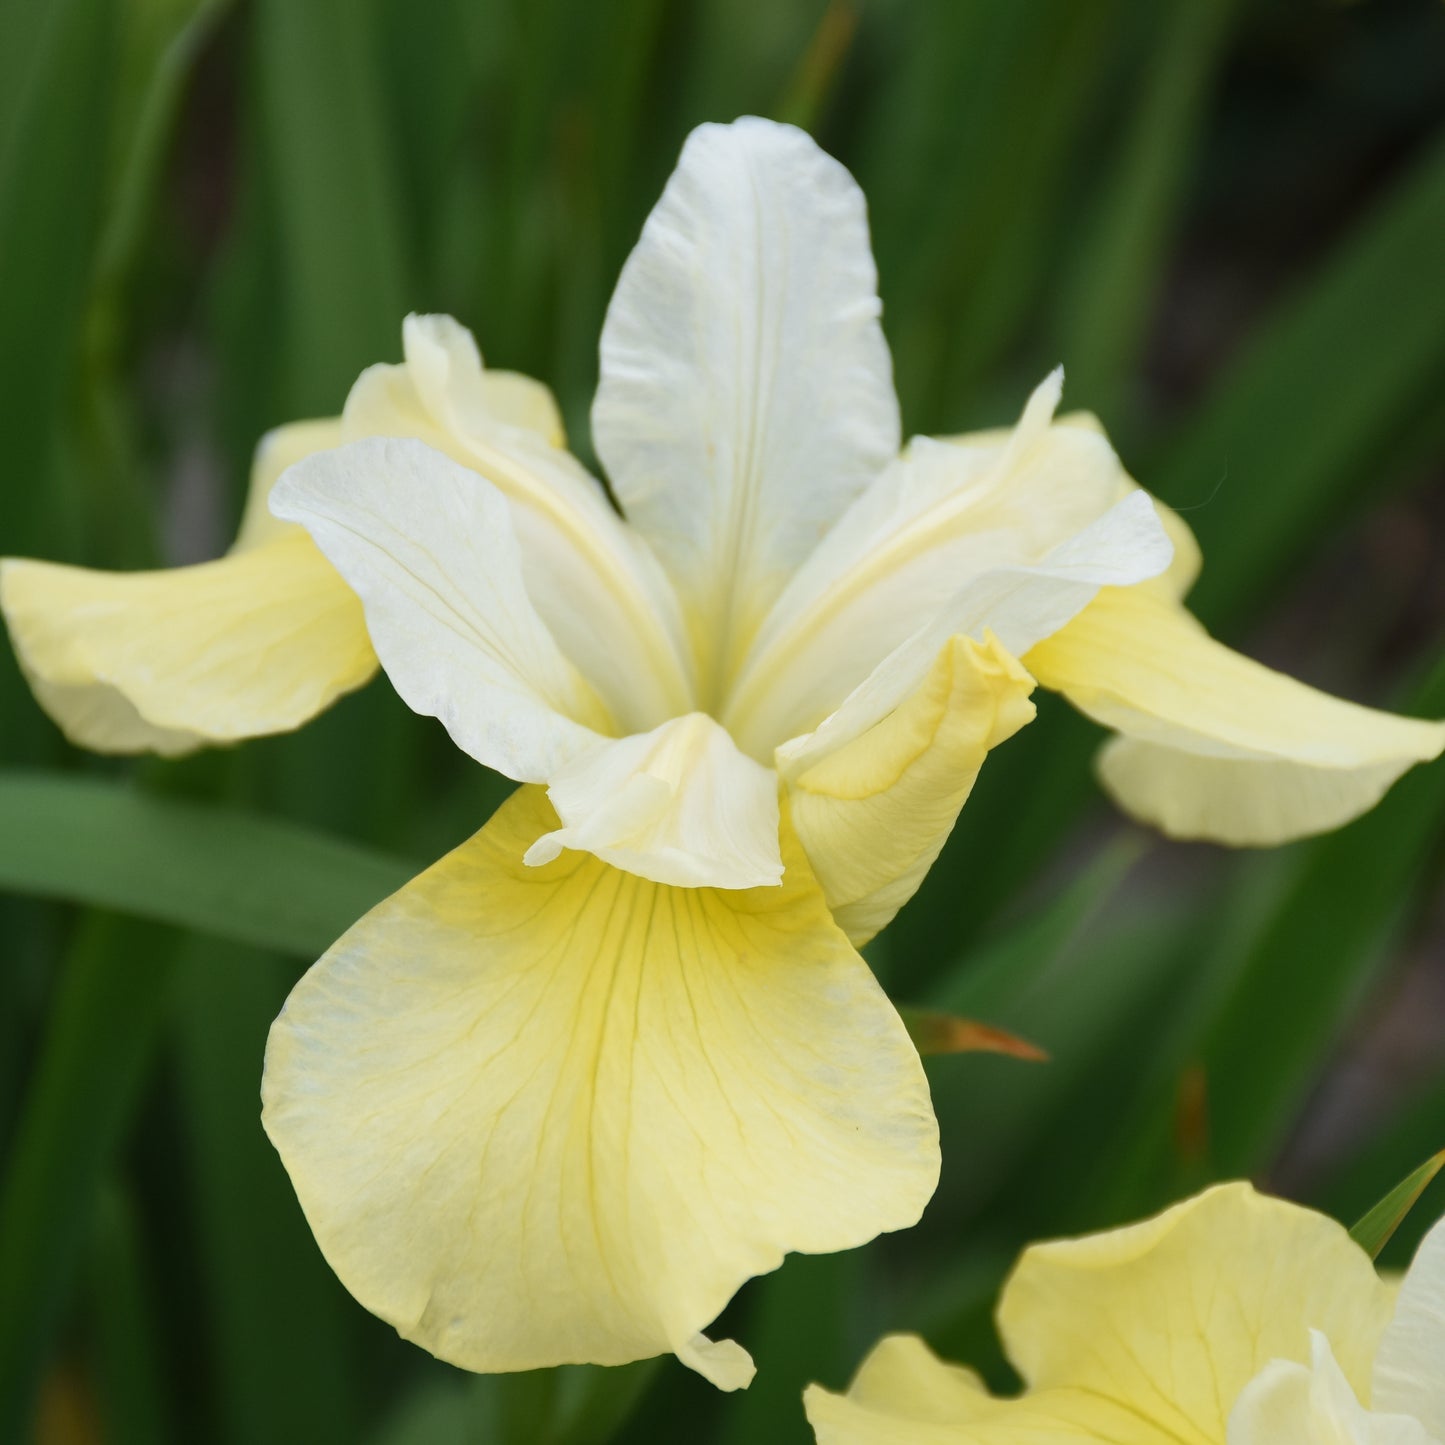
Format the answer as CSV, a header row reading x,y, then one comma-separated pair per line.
x,y
102,1029
1377,1228
223,872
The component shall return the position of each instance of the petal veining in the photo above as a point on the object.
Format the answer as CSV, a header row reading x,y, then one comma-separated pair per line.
x,y
945,513
746,394
873,815
1172,1318
560,1114
678,805
167,661
1215,745
601,592
428,547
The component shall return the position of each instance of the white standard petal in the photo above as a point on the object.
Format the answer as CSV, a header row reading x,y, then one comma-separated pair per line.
x,y
601,592
428,546
1410,1366
945,512
1017,605
678,805
746,394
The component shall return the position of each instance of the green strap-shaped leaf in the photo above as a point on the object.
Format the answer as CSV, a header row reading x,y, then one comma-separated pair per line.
x,y
97,1046
1378,1227
1302,426
217,870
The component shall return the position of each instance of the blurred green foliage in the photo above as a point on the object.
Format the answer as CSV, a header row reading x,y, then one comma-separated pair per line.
x,y
1228,222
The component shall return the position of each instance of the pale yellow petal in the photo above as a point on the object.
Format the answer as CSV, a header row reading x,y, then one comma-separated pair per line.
x,y
276,451
560,1114
1172,1318
601,592
678,805
1214,745
905,1395
258,642
873,815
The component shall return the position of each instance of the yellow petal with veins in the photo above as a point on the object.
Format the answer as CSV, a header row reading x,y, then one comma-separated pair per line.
x,y
1140,1336
873,815
560,1114
1216,746
258,642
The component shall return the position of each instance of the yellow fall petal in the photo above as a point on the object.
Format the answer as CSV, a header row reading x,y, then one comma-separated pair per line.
x,y
1173,1317
257,642
560,1114
873,815
278,449
1215,745
1141,1336
905,1395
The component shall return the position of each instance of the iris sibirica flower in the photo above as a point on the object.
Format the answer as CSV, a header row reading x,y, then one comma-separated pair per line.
x,y
1232,1319
562,1094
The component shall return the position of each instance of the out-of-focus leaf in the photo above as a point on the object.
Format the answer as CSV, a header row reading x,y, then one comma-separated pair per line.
x,y
133,1391
942,1033
1041,980
99,1039
800,1328
1315,959
279,1319
1294,433
160,40
328,147
593,1402
990,103
812,83
220,871
1377,1228
1118,266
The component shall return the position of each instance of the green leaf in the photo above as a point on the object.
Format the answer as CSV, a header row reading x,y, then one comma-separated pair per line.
x,y
136,1402
281,1324
328,149
1315,958
1377,1228
220,871
1292,437
99,1040
1118,267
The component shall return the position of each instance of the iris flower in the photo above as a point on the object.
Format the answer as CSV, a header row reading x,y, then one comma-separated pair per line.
x,y
561,1095
1232,1319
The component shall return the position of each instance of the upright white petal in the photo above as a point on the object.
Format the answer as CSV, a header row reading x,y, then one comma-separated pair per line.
x,y
1410,1367
595,583
945,512
678,805
746,393
428,546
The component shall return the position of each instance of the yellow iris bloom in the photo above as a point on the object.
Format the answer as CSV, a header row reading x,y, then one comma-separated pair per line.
x,y
1232,1319
559,1097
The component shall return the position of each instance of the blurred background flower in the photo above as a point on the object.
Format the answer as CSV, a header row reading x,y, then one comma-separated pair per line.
x,y
1226,220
